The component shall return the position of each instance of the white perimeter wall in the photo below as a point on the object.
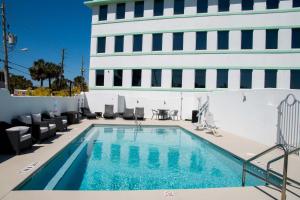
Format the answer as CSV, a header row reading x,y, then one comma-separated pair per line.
x,y
11,106
255,118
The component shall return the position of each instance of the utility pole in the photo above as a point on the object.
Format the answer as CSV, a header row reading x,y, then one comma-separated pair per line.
x,y
82,72
5,68
62,67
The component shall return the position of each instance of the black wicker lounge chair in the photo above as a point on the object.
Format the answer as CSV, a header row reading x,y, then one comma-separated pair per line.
x,y
109,112
60,121
14,139
128,114
139,113
88,114
41,130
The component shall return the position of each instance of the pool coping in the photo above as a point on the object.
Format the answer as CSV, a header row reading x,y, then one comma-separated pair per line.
x,y
84,126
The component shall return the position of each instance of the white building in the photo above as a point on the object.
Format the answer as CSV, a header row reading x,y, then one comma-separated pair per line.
x,y
167,53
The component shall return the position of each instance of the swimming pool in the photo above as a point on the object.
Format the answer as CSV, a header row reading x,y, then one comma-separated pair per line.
x,y
117,157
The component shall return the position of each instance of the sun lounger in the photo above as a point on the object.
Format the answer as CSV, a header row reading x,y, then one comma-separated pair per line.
x,y
139,113
88,114
128,114
210,124
109,112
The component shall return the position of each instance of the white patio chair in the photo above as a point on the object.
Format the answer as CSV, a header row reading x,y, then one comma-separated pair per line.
x,y
210,124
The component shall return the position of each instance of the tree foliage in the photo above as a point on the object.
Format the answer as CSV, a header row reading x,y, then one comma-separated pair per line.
x,y
38,71
79,82
18,82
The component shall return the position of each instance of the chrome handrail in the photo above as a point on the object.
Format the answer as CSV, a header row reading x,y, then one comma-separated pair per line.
x,y
285,167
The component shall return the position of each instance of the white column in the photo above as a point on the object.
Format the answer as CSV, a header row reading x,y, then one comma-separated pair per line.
x,y
167,42
212,38
258,79
285,4
111,12
235,5
166,75
92,78
259,5
128,39
189,39
212,6
168,7
211,78
147,42
284,39
234,79
129,10
94,42
108,78
95,14
110,44
234,40
259,39
148,8
146,78
127,78
188,78
190,7
283,79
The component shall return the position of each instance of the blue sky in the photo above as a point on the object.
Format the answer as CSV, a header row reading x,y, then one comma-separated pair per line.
x,y
47,26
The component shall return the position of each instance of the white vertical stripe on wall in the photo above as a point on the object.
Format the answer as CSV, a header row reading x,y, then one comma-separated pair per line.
x,y
111,12
212,6
146,78
189,41
95,14
128,43
284,38
147,42
129,10
259,39
235,5
259,5
212,40
148,8
258,79
108,78
235,40
93,47
168,7
92,78
190,7
110,44
188,78
283,79
211,78
286,4
233,79
127,78
167,42
166,78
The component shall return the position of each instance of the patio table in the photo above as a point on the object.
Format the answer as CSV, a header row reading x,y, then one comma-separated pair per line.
x,y
163,114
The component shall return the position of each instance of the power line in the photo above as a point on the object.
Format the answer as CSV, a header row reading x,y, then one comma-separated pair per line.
x,y
12,68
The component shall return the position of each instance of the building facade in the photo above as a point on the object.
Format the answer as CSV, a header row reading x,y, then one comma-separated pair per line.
x,y
194,45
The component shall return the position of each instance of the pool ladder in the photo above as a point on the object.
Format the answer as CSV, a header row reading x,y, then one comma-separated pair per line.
x,y
137,123
269,171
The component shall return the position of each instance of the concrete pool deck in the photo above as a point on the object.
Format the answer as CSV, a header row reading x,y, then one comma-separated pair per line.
x,y
12,171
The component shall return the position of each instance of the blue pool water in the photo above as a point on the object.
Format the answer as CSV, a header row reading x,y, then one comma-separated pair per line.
x,y
123,158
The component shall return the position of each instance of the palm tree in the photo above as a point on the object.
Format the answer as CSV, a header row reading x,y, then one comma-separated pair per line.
x,y
38,71
52,71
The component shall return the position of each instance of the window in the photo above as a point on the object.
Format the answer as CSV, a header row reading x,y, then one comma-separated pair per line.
x,y
177,41
202,6
296,3
157,42
120,11
118,77
270,78
100,77
136,77
178,7
119,43
271,39
200,78
103,13
137,42
177,78
222,78
201,40
296,38
247,39
247,4
295,79
156,78
223,39
223,5
139,9
246,79
158,8
272,4
101,45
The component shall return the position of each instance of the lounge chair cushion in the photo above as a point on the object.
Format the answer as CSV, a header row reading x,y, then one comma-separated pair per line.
x,y
43,129
52,126
21,129
36,118
25,137
25,119
64,121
